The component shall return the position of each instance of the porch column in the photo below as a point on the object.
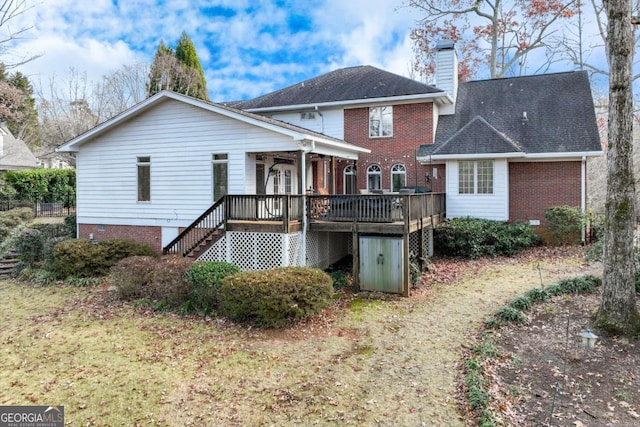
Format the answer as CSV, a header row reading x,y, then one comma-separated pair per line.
x,y
332,175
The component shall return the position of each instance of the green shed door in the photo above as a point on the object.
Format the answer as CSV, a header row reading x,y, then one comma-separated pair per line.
x,y
381,264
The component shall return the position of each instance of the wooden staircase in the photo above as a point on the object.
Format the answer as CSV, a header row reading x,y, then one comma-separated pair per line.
x,y
8,265
206,230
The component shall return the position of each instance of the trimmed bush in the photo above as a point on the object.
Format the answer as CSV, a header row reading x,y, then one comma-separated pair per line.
x,y
130,275
512,315
537,295
521,303
169,283
84,258
204,282
473,238
564,224
71,225
272,298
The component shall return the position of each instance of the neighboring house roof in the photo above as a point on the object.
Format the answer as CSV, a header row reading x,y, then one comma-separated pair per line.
x,y
14,153
548,114
295,132
350,85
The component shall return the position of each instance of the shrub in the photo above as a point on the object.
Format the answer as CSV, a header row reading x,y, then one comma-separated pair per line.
x,y
510,314
537,295
473,238
71,225
580,285
9,220
520,303
113,250
169,283
204,282
30,245
564,224
84,258
130,275
271,298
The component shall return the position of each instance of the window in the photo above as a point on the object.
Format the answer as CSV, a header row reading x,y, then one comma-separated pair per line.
x,y
349,182
260,183
144,179
475,177
374,178
220,169
398,177
380,121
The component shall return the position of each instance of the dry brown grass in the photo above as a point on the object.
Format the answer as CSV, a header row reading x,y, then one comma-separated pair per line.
x,y
368,362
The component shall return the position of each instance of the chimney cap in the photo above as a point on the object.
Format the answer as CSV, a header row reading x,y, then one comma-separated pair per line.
x,y
445,44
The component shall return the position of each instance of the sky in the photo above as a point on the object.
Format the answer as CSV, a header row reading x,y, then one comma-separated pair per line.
x,y
247,47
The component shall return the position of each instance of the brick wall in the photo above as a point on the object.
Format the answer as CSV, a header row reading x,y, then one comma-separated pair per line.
x,y
412,127
146,234
536,186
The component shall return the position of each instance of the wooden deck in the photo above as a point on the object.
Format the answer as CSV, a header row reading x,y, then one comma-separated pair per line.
x,y
398,214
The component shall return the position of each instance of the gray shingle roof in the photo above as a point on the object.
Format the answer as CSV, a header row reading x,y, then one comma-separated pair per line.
x,y
345,84
478,137
15,153
559,109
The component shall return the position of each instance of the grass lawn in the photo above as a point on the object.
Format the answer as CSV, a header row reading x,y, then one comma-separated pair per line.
x,y
389,361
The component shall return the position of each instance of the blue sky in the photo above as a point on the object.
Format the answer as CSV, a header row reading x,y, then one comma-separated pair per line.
x,y
247,47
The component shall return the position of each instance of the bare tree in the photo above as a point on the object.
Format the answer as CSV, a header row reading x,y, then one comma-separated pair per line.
x,y
618,312
72,104
503,33
10,10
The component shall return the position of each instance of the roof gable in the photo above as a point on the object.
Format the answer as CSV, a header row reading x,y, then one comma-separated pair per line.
x,y
560,116
342,85
478,137
15,154
295,132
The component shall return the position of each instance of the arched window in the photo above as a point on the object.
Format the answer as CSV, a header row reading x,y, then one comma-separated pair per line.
x,y
398,177
374,178
349,181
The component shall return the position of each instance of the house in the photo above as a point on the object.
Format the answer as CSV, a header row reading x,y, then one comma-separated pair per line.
x,y
48,159
14,153
332,166
503,149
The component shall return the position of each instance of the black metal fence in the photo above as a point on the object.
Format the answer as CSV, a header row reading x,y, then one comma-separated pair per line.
x,y
43,205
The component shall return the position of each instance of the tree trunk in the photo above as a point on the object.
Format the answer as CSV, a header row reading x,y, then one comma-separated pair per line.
x,y
618,312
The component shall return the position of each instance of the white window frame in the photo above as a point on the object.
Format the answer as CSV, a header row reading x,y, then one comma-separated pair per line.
x,y
216,160
475,171
349,174
383,115
143,162
373,171
398,170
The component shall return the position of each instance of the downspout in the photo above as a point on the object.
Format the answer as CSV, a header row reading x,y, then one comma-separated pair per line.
x,y
583,196
321,119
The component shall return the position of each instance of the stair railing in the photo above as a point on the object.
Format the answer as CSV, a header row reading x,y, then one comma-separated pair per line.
x,y
207,224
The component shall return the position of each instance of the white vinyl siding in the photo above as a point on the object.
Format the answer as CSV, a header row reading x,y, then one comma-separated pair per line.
x,y
180,140
328,122
489,206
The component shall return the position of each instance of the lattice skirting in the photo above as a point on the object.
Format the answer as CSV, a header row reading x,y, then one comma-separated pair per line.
x,y
261,251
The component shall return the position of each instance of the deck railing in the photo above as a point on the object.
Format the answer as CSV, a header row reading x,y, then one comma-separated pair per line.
x,y
374,207
277,207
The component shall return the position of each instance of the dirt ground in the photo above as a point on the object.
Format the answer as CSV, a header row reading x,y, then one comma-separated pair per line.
x,y
545,377
367,361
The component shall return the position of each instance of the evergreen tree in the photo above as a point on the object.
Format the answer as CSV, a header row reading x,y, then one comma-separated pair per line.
x,y
18,107
179,70
186,53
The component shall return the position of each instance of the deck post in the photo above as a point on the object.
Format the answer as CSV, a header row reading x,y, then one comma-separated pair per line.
x,y
355,244
406,206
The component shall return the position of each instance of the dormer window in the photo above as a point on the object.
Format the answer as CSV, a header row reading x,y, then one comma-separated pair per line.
x,y
380,121
308,116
